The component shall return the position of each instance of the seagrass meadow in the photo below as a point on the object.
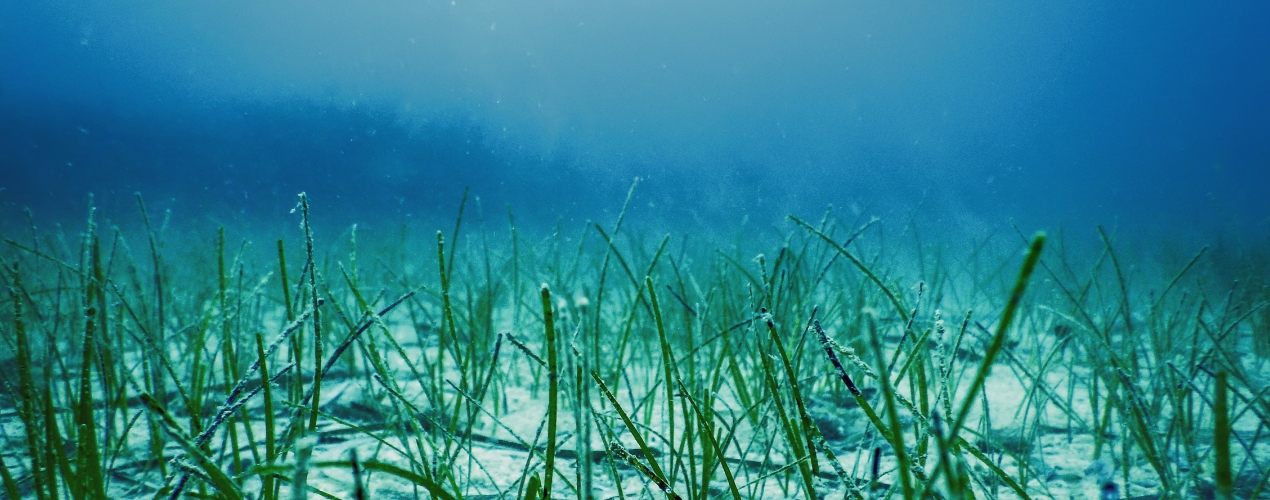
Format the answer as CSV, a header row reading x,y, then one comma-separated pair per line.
x,y
634,250
821,357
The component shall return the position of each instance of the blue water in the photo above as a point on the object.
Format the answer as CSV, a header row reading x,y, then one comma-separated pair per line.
x,y
1152,118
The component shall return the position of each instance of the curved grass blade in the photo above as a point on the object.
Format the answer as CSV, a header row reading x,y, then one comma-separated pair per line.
x,y
218,478
708,430
433,488
895,301
630,426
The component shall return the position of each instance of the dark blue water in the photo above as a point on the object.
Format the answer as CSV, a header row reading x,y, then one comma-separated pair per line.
x,y
1153,118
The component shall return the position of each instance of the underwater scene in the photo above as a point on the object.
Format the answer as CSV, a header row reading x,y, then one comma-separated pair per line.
x,y
582,249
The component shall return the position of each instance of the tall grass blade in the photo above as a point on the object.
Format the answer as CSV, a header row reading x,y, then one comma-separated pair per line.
x,y
27,412
1223,477
317,315
631,427
998,340
904,469
553,391
708,430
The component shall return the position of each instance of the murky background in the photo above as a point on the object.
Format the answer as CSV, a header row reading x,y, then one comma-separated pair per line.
x,y
1153,119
